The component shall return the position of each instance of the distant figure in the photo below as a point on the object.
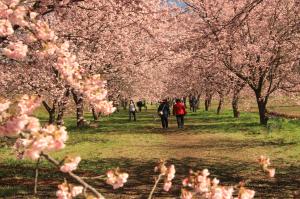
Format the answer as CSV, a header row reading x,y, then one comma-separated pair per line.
x,y
164,112
193,104
179,111
132,110
141,104
145,105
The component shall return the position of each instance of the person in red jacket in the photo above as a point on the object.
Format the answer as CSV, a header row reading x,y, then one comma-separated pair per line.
x,y
179,111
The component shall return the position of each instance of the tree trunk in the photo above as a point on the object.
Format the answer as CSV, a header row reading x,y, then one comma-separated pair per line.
x,y
95,114
62,107
235,105
198,101
207,102
51,111
60,114
206,105
124,104
78,99
239,85
184,101
261,103
221,102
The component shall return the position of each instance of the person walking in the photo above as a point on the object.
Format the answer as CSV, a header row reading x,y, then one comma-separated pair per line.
x,y
164,112
139,105
132,110
193,104
179,111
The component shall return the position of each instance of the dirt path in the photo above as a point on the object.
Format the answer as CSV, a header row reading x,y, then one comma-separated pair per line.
x,y
229,159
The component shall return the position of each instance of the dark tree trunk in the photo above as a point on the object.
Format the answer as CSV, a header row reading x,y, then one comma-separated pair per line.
x,y
78,99
221,102
235,98
124,103
190,102
235,105
261,103
62,107
95,114
60,114
198,101
184,101
207,102
51,111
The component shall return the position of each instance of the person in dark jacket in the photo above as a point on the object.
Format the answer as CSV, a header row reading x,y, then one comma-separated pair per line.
x,y
193,104
164,112
179,111
139,105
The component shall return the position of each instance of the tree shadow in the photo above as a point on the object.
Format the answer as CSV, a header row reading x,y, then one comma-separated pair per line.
x,y
142,176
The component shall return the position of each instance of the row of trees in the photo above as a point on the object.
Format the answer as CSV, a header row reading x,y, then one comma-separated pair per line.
x,y
158,49
233,44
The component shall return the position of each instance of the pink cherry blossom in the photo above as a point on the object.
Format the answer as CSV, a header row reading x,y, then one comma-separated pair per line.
x,y
12,3
271,173
6,28
167,185
44,140
43,32
170,172
186,194
29,104
32,154
205,173
185,182
246,193
70,164
4,11
217,193
16,125
116,178
215,182
33,15
18,16
68,191
76,190
4,106
265,163
17,51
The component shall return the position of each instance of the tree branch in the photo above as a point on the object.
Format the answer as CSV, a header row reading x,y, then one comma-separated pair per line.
x,y
74,176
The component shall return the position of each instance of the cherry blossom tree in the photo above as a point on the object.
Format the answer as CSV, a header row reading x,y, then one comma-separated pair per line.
x,y
257,42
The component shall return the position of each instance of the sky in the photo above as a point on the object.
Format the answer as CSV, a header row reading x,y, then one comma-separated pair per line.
x,y
178,2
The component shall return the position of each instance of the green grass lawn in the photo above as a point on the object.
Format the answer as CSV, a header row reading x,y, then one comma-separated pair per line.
x,y
228,147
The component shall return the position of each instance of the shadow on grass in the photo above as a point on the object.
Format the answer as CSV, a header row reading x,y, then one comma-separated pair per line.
x,y
142,177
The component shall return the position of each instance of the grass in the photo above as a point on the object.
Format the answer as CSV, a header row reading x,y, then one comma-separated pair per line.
x,y
227,146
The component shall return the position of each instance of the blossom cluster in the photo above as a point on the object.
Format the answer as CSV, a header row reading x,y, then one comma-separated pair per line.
x,y
167,172
116,178
70,164
13,123
264,162
198,183
18,13
49,138
68,191
32,139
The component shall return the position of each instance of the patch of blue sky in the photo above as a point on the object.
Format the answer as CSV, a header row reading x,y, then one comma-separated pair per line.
x,y
178,3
